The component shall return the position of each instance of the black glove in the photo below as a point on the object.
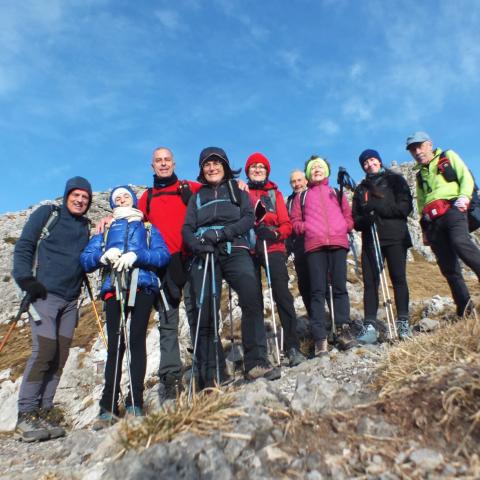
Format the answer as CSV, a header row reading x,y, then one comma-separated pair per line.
x,y
212,236
34,288
264,233
201,248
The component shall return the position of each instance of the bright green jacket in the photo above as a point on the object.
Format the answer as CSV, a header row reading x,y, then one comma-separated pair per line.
x,y
435,187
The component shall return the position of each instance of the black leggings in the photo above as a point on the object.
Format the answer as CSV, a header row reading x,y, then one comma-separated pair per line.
x,y
140,314
281,295
396,257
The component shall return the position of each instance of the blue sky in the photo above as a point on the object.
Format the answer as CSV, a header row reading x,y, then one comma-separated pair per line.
x,y
90,87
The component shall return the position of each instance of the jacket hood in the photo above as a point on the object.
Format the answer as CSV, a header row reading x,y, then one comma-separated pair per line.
x,y
80,183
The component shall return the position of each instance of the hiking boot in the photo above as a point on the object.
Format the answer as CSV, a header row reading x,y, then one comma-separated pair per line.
x,y
105,419
403,329
345,339
30,427
321,348
172,386
134,411
368,335
52,419
295,357
263,370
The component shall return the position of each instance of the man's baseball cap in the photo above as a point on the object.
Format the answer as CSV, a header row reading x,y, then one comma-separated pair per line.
x,y
417,137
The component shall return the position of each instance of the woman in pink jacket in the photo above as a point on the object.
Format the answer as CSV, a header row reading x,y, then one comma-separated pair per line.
x,y
325,220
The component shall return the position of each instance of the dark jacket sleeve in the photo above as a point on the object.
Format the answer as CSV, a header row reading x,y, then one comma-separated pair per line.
x,y
26,245
360,219
246,221
190,225
403,205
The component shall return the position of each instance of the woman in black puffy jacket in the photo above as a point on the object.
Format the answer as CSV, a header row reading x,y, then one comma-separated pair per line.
x,y
383,198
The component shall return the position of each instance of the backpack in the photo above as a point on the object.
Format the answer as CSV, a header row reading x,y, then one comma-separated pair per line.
x,y
445,168
183,190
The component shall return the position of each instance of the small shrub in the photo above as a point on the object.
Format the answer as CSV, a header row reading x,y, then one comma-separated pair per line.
x,y
10,240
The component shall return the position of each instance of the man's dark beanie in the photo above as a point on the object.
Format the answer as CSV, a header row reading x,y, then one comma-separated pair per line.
x,y
366,154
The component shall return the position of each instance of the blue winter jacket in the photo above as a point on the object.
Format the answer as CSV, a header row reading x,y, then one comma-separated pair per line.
x,y
129,237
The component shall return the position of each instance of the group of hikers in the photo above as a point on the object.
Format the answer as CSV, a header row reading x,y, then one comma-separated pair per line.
x,y
181,239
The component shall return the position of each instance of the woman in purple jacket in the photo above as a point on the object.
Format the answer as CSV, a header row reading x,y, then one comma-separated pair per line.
x,y
325,220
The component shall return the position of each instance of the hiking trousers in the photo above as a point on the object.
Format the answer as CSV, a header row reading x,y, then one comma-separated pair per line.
x,y
396,257
281,295
51,339
323,265
170,362
140,315
450,240
238,270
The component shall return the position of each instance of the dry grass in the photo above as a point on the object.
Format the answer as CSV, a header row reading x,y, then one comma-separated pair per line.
x,y
210,410
451,345
432,383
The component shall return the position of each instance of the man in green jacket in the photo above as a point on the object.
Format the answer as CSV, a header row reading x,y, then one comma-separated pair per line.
x,y
444,191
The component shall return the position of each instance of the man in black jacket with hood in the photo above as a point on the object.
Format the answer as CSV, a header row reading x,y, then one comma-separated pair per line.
x,y
47,267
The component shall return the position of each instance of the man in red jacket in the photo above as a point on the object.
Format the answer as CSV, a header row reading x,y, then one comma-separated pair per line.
x,y
274,227
165,206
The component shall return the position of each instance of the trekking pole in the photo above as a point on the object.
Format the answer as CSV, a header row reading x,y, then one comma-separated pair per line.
x,y
215,318
121,329
332,311
351,242
269,282
24,304
387,302
95,311
195,343
230,314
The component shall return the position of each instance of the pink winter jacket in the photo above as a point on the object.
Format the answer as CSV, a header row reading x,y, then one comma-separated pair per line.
x,y
325,224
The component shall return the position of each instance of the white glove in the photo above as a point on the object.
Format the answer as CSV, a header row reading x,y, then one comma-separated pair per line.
x,y
125,261
462,203
110,256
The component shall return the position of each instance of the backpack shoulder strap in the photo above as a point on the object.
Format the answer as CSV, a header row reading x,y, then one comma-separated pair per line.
x,y
273,197
46,229
148,228
339,196
303,197
149,199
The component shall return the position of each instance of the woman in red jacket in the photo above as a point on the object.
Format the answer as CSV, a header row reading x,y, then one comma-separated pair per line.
x,y
274,227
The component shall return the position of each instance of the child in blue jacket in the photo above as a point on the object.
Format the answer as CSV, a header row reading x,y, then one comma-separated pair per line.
x,y
126,249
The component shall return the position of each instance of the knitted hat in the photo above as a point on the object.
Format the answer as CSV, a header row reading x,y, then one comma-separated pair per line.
x,y
120,190
255,158
313,160
79,183
369,153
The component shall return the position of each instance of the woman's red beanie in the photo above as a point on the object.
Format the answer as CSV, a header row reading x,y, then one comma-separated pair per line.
x,y
255,158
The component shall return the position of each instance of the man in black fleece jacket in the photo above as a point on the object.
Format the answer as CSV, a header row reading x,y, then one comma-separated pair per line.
x,y
52,277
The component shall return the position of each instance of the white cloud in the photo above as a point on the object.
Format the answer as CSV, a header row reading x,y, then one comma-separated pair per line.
x,y
170,19
356,70
356,109
329,128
